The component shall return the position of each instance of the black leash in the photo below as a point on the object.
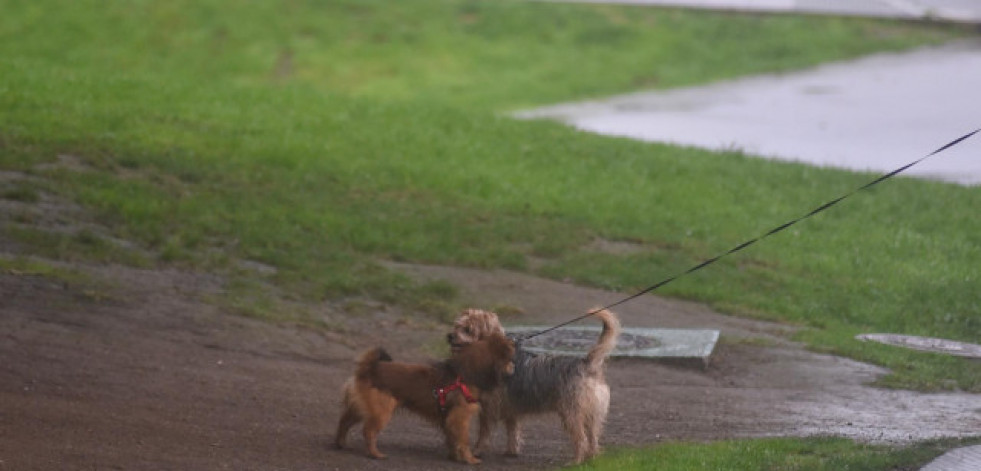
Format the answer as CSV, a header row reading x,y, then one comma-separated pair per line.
x,y
764,236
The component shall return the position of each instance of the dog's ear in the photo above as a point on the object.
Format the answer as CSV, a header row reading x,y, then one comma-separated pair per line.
x,y
503,346
503,352
484,363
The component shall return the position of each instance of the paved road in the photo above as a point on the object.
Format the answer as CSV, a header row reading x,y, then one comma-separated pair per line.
x,y
963,459
967,11
876,113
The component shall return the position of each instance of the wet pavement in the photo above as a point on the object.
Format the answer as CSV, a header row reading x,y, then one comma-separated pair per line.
x,y
962,459
876,113
966,11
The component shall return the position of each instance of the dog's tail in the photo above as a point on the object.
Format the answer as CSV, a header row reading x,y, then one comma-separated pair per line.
x,y
606,343
368,361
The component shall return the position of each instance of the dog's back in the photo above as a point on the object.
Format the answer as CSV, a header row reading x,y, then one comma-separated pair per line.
x,y
540,381
410,383
481,365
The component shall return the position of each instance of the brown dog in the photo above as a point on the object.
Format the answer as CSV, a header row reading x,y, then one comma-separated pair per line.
x,y
444,393
574,387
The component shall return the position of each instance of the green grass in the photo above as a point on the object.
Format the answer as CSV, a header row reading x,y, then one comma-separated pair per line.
x,y
784,454
321,137
83,245
81,284
22,266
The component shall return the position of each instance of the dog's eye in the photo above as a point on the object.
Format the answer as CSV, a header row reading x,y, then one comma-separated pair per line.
x,y
468,331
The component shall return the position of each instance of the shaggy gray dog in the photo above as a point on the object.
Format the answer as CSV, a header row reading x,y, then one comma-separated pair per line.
x,y
573,387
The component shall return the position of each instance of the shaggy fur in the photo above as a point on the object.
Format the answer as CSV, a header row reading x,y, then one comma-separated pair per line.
x,y
574,387
380,385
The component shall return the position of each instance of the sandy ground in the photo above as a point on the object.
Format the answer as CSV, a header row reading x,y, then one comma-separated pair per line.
x,y
151,376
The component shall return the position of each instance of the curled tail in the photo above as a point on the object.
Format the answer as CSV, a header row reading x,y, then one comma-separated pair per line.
x,y
368,361
606,343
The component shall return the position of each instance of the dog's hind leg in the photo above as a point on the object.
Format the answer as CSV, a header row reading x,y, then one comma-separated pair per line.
x,y
595,417
594,429
372,428
574,423
348,420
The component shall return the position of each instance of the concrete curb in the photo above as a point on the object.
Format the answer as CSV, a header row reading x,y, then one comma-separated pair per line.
x,y
685,347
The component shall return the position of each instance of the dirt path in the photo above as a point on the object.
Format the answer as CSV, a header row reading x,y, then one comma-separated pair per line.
x,y
152,377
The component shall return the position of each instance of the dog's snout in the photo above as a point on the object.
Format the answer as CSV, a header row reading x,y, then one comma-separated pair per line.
x,y
449,337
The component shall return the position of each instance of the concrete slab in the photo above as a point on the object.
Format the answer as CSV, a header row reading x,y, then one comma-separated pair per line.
x,y
965,11
876,113
961,459
692,347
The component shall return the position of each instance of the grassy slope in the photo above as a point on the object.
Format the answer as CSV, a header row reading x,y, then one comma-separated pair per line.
x,y
320,136
775,454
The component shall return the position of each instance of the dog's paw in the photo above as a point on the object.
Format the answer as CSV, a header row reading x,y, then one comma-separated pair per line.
x,y
479,449
464,456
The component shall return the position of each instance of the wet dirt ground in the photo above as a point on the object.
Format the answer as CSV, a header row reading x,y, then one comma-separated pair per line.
x,y
150,376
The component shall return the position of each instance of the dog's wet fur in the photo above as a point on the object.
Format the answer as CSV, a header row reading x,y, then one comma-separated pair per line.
x,y
380,385
573,387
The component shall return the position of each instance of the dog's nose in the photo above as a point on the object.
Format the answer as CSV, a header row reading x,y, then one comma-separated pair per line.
x,y
449,337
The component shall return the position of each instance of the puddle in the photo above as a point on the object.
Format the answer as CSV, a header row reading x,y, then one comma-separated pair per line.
x,y
926,344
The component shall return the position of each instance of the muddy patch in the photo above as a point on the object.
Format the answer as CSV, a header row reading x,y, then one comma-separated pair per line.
x,y
153,377
758,383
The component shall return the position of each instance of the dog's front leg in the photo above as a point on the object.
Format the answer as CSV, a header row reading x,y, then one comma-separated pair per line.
x,y
457,427
514,435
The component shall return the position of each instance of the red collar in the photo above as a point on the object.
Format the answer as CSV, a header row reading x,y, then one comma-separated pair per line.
x,y
441,393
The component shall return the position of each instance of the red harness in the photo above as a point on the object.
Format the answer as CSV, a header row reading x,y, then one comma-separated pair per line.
x,y
441,393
